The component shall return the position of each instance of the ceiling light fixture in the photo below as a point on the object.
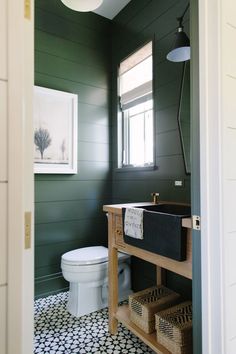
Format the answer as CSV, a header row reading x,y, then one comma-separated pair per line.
x,y
181,48
82,5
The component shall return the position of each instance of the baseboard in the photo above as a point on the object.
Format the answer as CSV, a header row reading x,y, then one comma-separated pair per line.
x,y
50,285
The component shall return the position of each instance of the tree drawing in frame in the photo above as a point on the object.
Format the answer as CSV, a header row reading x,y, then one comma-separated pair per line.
x,y
55,131
42,140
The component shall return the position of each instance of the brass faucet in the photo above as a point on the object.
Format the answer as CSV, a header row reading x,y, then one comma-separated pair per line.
x,y
155,196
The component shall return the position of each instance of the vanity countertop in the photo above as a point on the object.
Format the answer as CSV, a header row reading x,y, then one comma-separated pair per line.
x,y
117,209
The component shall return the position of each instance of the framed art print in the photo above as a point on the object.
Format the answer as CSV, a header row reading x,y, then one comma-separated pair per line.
x,y
55,131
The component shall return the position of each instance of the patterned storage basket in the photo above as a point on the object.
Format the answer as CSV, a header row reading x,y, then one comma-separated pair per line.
x,y
144,304
174,328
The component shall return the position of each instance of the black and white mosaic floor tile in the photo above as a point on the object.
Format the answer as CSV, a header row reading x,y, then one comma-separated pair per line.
x,y
57,332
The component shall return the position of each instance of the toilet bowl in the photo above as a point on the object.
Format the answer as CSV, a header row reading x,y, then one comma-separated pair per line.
x,y
86,269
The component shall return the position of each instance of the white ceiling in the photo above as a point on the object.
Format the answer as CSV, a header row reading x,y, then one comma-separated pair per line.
x,y
110,8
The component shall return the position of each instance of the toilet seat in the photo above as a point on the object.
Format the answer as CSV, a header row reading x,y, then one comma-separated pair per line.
x,y
88,256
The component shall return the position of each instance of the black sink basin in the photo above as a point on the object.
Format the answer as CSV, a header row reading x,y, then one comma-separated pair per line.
x,y
162,230
173,209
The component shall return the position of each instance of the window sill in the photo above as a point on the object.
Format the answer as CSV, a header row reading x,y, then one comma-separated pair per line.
x,y
138,169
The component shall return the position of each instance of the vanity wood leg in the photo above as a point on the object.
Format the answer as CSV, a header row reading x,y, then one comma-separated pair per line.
x,y
160,276
112,280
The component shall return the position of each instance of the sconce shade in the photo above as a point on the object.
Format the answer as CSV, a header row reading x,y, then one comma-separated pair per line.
x,y
181,48
82,5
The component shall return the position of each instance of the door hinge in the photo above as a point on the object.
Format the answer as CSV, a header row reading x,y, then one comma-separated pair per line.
x,y
28,9
27,229
196,220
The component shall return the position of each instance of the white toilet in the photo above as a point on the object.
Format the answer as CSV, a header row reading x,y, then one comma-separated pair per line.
x,y
87,271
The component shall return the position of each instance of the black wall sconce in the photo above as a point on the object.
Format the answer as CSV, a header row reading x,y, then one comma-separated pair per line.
x,y
181,48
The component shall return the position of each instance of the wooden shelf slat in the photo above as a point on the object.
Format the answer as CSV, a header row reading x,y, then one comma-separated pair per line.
x,y
123,316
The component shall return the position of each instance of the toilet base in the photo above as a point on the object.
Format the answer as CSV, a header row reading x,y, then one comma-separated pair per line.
x,y
83,300
89,284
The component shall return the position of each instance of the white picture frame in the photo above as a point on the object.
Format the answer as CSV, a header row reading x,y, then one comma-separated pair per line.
x,y
55,131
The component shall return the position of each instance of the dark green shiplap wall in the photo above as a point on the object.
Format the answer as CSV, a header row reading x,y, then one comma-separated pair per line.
x,y
139,22
72,53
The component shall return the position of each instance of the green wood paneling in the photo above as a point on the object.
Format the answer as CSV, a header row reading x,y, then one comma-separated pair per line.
x,y
92,95
87,20
62,27
48,191
168,143
166,119
47,271
140,190
65,232
72,54
63,69
93,151
88,170
94,133
167,163
171,167
163,18
48,212
174,73
147,270
48,285
70,228
71,51
167,95
130,11
179,284
150,14
92,114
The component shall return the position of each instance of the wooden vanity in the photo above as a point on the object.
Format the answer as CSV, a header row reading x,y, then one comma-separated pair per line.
x,y
116,243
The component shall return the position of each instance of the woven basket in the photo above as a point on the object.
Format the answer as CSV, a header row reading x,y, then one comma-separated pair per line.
x,y
174,328
144,304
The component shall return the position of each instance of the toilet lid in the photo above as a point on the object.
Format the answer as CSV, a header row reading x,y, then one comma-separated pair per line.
x,y
86,255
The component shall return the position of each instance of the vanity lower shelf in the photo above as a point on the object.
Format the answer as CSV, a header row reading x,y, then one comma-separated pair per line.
x,y
123,316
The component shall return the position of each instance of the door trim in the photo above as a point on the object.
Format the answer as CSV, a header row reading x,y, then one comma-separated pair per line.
x,y
20,175
211,172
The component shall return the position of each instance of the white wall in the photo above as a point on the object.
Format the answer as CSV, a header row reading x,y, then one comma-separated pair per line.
x,y
217,53
3,174
228,72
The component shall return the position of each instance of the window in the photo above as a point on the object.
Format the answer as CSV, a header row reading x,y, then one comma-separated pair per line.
x,y
136,142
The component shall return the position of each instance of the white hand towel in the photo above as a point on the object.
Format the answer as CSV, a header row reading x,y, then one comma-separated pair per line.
x,y
133,223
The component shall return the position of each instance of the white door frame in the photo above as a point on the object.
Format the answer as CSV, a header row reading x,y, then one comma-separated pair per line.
x,y
20,173
20,295
212,170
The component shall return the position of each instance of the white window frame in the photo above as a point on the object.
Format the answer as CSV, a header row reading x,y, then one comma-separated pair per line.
x,y
132,98
126,148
